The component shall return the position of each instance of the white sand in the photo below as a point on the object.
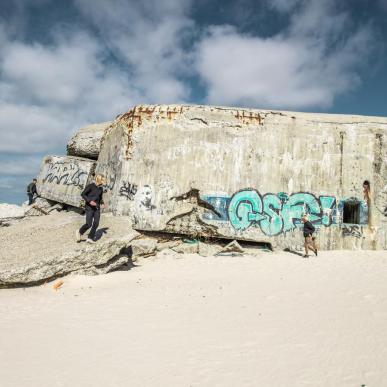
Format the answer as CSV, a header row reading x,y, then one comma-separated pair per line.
x,y
11,211
279,320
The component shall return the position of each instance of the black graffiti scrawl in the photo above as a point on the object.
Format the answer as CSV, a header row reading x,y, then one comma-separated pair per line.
x,y
128,190
65,173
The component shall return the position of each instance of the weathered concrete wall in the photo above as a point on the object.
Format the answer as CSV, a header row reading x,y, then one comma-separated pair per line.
x,y
248,174
86,142
63,178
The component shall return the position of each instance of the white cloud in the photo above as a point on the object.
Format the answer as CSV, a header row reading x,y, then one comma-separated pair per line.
x,y
149,37
23,166
47,91
306,66
54,75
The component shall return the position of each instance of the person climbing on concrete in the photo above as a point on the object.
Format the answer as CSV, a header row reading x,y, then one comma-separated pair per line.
x,y
310,240
368,199
92,195
31,191
367,191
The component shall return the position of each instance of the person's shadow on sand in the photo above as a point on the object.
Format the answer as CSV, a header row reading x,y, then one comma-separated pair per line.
x,y
100,232
293,252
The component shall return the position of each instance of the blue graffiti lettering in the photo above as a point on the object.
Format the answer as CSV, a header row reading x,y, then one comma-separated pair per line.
x,y
328,204
244,209
273,213
272,224
298,204
278,213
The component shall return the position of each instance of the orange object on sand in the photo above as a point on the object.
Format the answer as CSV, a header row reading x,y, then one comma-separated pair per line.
x,y
58,284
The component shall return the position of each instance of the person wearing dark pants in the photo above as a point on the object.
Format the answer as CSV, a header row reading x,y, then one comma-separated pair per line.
x,y
92,195
31,191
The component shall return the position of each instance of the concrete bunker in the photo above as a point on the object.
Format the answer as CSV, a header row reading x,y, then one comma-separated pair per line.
x,y
233,173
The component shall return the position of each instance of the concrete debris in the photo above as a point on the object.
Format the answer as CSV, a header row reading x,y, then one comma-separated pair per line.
x,y
44,248
41,206
190,223
35,211
101,257
232,249
168,244
58,207
63,178
169,253
86,142
80,211
186,248
121,261
143,248
208,249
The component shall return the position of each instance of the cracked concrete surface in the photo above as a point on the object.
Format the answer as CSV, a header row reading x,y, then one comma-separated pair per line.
x,y
35,250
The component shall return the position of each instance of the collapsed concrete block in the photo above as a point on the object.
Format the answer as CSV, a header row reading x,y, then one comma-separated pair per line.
x,y
232,249
143,248
186,248
44,248
248,174
86,142
63,178
208,250
40,207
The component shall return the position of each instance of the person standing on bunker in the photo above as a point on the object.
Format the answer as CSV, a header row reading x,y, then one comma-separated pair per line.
x,y
310,240
31,191
92,195
367,198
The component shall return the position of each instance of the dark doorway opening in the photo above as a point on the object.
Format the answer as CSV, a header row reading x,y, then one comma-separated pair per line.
x,y
351,212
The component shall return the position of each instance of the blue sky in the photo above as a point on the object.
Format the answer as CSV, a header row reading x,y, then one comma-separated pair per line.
x,y
65,64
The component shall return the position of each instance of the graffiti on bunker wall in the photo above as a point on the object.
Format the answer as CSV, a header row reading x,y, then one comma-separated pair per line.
x,y
352,230
274,213
65,173
144,199
128,190
108,171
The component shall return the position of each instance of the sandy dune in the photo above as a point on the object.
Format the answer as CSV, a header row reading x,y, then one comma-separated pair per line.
x,y
278,320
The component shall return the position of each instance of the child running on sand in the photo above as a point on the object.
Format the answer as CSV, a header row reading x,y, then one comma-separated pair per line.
x,y
310,240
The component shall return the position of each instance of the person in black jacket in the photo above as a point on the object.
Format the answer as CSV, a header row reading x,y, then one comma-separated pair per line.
x,y
92,195
31,191
308,230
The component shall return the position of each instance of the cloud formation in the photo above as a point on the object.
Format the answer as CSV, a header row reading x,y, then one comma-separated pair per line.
x,y
48,89
149,38
305,66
